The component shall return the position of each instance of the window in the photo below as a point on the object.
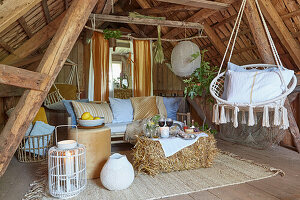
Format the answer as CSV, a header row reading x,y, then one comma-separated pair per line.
x,y
116,69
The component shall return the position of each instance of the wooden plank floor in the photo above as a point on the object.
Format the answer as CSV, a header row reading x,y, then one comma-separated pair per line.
x,y
15,181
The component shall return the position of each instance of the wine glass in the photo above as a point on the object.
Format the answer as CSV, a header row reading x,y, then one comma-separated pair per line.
x,y
161,122
169,122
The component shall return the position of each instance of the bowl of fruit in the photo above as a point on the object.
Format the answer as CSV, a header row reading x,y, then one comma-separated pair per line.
x,y
88,120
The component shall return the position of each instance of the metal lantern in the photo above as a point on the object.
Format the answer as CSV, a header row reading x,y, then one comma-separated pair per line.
x,y
66,168
183,64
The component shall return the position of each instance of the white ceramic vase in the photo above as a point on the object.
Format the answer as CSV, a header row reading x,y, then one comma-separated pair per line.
x,y
117,173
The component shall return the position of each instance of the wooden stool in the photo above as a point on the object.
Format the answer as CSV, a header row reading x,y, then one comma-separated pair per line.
x,y
98,148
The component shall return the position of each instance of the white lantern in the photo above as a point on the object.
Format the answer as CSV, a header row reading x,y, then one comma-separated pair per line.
x,y
66,168
183,64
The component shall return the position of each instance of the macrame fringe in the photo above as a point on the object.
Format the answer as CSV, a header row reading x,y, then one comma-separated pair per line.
x,y
222,116
235,117
244,121
251,117
265,121
216,114
227,115
276,116
285,119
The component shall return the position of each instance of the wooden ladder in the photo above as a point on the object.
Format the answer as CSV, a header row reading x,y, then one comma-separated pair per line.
x,y
39,83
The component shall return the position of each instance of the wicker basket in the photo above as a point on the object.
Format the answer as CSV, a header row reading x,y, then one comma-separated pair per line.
x,y
34,148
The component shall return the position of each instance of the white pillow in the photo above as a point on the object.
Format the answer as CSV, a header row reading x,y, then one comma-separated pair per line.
x,y
267,85
287,74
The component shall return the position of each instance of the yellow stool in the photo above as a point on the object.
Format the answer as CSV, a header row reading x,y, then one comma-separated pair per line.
x,y
98,148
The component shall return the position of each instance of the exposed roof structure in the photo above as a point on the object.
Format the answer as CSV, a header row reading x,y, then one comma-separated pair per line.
x,y
29,32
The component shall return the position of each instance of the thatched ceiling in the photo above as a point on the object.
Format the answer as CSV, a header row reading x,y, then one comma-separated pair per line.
x,y
44,16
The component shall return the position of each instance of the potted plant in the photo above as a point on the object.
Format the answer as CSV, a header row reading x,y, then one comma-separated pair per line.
x,y
112,36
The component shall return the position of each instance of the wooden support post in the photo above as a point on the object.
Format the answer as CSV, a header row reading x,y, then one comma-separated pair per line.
x,y
259,33
51,64
21,77
26,28
46,11
267,57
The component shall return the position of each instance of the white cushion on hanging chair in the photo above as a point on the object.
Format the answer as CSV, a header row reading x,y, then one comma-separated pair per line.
x,y
182,56
287,74
267,85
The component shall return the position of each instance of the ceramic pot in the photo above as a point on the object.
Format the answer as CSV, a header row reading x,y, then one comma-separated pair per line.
x,y
117,173
112,43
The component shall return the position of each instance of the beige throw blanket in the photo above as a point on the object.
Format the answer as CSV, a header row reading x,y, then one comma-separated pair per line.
x,y
133,130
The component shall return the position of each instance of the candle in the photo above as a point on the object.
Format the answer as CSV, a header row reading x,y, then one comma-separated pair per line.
x,y
69,166
164,132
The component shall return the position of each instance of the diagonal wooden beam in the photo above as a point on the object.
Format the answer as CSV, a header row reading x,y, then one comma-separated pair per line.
x,y
12,10
165,9
21,77
31,45
200,3
46,11
24,25
66,3
285,36
215,39
51,64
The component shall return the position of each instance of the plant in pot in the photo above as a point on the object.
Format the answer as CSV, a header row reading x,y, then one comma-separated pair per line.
x,y
197,85
112,36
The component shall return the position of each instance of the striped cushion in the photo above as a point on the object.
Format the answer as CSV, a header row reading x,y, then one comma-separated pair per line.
x,y
96,110
144,107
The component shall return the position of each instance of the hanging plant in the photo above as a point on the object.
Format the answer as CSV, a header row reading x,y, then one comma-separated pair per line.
x,y
158,50
111,34
199,82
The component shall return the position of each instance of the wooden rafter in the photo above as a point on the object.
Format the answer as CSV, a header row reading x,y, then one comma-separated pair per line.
x,y
145,21
50,65
21,77
66,3
26,61
11,11
24,25
6,46
196,17
281,30
200,3
46,11
35,42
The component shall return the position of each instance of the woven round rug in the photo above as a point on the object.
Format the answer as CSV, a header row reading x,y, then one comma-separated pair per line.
x,y
227,169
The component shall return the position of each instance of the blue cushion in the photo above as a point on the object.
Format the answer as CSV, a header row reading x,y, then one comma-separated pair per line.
x,y
40,128
172,106
69,108
122,110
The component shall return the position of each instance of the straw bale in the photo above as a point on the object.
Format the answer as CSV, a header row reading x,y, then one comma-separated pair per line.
x,y
149,157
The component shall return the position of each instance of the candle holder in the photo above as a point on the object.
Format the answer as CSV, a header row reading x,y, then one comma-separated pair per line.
x,y
66,168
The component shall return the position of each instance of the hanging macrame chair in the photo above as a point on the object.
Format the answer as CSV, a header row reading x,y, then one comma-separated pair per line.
x,y
227,111
64,91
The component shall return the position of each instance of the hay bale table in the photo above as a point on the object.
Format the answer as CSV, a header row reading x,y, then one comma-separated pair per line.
x,y
98,148
149,157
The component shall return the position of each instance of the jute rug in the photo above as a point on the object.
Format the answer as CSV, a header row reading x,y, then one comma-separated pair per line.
x,y
227,169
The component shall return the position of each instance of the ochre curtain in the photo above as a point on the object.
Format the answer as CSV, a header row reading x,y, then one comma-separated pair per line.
x,y
142,68
100,51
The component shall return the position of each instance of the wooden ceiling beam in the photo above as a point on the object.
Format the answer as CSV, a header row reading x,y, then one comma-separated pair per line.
x,y
165,9
6,46
27,60
196,17
21,77
214,38
31,45
199,3
284,35
145,21
66,3
12,10
46,11
24,25
290,15
51,64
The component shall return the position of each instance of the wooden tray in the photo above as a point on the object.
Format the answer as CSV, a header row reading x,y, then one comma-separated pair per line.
x,y
90,127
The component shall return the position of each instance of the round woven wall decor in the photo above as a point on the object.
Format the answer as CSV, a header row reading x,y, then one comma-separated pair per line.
x,y
181,59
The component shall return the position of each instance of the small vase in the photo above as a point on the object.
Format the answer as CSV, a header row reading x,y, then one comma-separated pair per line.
x,y
117,173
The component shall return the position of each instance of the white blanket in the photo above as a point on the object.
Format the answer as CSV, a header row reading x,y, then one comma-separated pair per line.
x,y
172,145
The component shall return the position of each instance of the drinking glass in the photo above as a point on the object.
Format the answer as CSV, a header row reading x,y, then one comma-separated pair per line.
x,y
169,122
161,122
